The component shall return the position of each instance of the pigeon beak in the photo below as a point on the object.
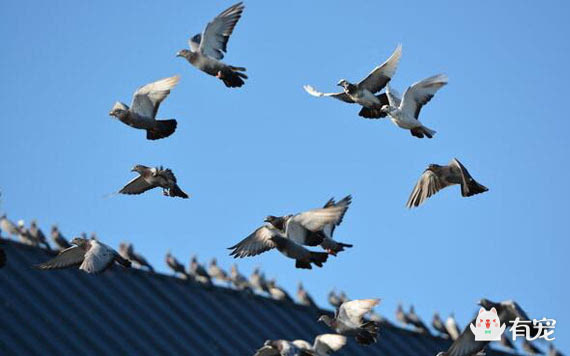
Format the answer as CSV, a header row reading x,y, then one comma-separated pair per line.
x,y
179,54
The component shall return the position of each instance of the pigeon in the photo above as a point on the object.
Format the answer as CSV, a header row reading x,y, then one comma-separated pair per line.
x,y
38,235
8,227
216,272
401,316
288,234
438,325
198,272
363,93
331,246
277,292
238,280
465,345
304,298
552,351
415,320
150,178
90,255
60,241
437,177
404,112
342,296
530,349
324,344
334,300
453,330
25,236
257,281
280,348
128,252
506,341
348,320
208,48
175,266
2,257
144,107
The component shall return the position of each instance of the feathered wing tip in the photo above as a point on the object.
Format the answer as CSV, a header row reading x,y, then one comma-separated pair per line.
x,y
163,129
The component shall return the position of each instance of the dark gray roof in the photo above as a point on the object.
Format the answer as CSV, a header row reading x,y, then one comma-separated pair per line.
x,y
128,311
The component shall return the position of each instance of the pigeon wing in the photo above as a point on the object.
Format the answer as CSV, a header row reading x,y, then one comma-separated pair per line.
x,y
340,96
72,256
267,351
258,242
354,310
97,258
428,184
137,185
147,98
326,344
317,219
194,42
466,344
381,75
420,93
215,37
466,179
394,98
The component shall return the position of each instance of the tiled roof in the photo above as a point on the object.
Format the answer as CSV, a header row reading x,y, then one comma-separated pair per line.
x,y
132,312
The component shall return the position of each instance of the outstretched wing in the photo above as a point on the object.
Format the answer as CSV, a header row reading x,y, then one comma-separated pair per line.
x,y
354,310
137,185
326,344
257,242
381,75
72,256
420,93
428,184
394,98
465,345
147,99
340,96
214,39
317,219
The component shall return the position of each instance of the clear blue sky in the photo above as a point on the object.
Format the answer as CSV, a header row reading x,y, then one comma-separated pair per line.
x,y
269,148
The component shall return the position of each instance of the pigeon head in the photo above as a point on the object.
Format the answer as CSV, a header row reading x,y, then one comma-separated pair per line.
x,y
79,241
326,319
485,303
387,109
119,110
343,83
278,222
20,223
213,262
183,53
139,168
433,167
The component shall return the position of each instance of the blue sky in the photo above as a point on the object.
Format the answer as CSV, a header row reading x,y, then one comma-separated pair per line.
x,y
269,148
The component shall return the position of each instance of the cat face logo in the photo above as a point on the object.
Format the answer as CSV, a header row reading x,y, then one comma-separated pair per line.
x,y
488,326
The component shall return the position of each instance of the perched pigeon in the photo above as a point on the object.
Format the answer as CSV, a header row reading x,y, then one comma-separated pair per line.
x,y
277,292
453,330
198,272
530,349
60,241
438,325
2,257
401,316
437,177
128,252
348,320
334,300
280,348
465,345
552,351
175,266
38,234
25,236
331,246
91,256
415,320
144,107
405,112
257,281
216,272
238,280
342,296
8,227
363,93
304,298
150,178
323,345
208,48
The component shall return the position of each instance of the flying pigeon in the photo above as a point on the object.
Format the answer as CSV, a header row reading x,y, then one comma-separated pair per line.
x,y
8,227
198,272
280,348
150,178
438,325
304,298
128,252
405,112
363,93
216,272
324,344
38,234
208,48
329,244
175,266
437,177
60,241
90,255
2,257
277,292
238,280
453,330
348,320
334,300
257,281
144,107
530,349
465,345
415,320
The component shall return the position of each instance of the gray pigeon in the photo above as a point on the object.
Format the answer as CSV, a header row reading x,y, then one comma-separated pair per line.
x,y
363,93
175,266
453,330
150,178
439,326
277,292
8,227
208,48
348,320
60,241
216,272
305,298
329,244
281,348
415,320
38,235
128,252
324,344
401,316
144,107
198,272
437,177
91,256
333,299
257,281
25,236
404,112
238,280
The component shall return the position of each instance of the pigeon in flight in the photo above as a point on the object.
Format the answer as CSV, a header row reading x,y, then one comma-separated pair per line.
x,y
438,325
280,348
60,241
324,344
175,266
216,272
90,255
198,272
348,320
8,227
144,107
150,178
404,112
363,93
437,177
208,48
453,330
305,298
415,320
38,235
329,244
128,252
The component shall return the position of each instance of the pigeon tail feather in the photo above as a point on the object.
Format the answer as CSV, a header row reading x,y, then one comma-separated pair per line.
x,y
163,128
231,77
318,258
177,192
472,188
419,132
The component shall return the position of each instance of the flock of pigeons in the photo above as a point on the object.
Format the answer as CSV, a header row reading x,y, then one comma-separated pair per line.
x,y
288,233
